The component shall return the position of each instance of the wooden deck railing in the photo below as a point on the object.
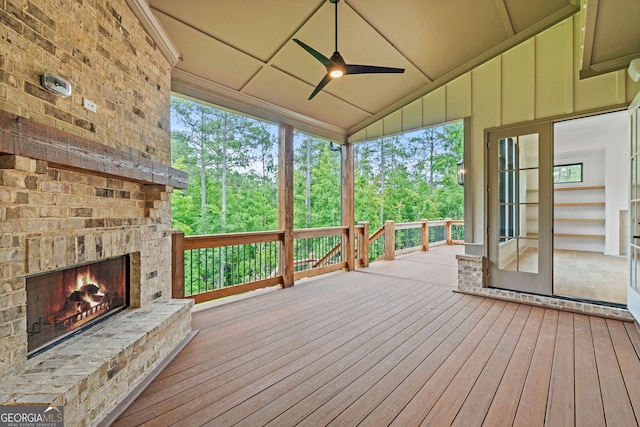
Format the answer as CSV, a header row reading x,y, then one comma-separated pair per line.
x,y
214,266
393,239
323,248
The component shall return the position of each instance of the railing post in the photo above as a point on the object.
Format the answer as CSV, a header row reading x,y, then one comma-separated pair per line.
x,y
177,264
424,234
347,203
363,245
389,240
285,202
447,231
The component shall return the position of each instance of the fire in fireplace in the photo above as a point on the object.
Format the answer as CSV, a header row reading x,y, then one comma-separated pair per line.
x,y
65,301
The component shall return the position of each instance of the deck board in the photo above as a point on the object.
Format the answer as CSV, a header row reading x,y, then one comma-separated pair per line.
x,y
561,401
533,400
615,396
394,345
588,407
477,403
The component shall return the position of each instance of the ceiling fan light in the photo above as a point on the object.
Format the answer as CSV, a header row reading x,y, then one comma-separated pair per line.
x,y
336,73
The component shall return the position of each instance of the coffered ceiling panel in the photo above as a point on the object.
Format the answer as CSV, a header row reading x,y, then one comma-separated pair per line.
x,y
209,58
240,54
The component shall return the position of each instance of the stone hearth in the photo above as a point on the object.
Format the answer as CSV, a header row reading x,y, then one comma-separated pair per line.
x,y
92,372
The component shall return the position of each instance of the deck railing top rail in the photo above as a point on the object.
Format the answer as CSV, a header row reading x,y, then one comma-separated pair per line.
x,y
218,240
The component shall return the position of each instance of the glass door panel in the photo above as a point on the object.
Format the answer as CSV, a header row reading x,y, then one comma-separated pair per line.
x,y
519,255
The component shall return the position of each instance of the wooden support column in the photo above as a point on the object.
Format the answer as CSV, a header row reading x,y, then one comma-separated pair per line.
x,y
447,231
285,201
348,200
389,240
177,264
424,234
363,245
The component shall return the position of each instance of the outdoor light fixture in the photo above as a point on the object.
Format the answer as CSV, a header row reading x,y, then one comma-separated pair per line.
x,y
461,172
337,67
634,70
56,84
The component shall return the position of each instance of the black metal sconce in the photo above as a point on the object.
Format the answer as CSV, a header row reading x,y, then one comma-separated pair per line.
x,y
461,172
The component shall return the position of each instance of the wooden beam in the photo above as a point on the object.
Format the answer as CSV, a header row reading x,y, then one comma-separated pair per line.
x,y
229,239
424,235
389,240
285,201
28,138
177,264
348,200
363,245
235,290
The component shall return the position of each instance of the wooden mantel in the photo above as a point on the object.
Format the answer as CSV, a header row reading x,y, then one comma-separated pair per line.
x,y
28,138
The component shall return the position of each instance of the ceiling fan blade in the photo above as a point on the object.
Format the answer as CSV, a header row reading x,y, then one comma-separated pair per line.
x,y
325,81
372,69
320,57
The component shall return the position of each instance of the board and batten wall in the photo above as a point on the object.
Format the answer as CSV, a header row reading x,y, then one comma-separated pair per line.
x,y
537,79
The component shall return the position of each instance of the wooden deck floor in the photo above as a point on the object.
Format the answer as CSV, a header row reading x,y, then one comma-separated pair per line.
x,y
394,345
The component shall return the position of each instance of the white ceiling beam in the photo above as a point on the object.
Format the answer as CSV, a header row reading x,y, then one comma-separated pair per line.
x,y
374,28
588,35
155,30
506,19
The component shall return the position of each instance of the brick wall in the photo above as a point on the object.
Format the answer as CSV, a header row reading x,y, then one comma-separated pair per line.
x,y
102,49
51,217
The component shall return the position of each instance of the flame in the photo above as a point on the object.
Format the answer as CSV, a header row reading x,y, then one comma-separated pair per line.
x,y
83,279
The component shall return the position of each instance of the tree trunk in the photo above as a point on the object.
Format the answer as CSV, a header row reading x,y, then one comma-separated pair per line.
x,y
223,178
431,156
203,178
308,184
382,178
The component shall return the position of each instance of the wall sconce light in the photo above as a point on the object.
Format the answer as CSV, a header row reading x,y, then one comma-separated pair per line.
x,y
634,70
461,172
56,84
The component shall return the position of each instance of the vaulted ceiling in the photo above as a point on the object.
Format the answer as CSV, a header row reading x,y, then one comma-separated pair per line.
x,y
240,54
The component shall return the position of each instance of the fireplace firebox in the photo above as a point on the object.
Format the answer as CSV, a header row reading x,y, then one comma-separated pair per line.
x,y
63,302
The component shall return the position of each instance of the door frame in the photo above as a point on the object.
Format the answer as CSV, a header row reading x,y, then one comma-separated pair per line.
x,y
540,282
633,295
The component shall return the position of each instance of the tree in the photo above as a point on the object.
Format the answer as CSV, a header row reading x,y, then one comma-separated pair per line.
x,y
212,145
233,134
316,183
196,140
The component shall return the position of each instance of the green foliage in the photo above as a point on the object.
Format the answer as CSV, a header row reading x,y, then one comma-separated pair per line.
x,y
410,177
231,161
232,171
232,165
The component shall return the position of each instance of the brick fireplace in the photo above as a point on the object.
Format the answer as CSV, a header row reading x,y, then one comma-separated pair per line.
x,y
80,187
68,231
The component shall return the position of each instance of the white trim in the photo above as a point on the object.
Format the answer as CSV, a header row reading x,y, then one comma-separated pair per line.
x,y
191,85
634,104
155,30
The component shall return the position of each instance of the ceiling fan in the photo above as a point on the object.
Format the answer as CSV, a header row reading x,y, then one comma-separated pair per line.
x,y
336,67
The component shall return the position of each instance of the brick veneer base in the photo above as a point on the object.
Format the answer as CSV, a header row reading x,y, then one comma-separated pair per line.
x,y
92,372
471,280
